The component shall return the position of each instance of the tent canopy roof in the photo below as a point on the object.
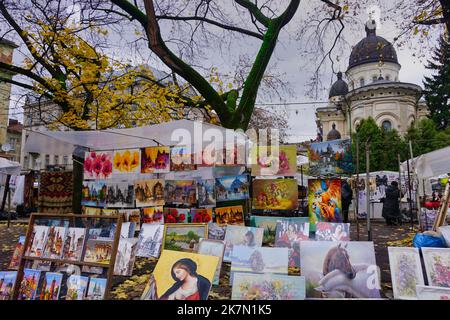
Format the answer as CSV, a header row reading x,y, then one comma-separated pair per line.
x,y
430,164
9,167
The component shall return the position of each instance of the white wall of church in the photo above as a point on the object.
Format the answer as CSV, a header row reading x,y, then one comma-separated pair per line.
x,y
365,74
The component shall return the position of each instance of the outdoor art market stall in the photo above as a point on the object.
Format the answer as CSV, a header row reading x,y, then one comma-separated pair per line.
x,y
144,199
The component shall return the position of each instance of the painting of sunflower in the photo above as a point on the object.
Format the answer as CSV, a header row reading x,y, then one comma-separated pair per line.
x,y
127,161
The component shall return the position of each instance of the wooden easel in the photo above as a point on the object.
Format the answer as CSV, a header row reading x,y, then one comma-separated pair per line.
x,y
72,218
443,208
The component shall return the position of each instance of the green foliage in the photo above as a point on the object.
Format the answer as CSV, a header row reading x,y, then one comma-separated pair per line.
x,y
426,137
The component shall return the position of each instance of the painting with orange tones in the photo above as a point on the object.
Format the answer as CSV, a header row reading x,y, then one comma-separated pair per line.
x,y
127,161
275,194
324,201
155,160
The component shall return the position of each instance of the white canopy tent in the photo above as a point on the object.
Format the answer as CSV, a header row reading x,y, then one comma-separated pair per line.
x,y
9,167
429,165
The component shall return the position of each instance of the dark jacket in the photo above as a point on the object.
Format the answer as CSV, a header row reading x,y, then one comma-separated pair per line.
x,y
391,204
346,194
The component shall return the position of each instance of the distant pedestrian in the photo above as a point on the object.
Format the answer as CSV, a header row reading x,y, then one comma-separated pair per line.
x,y
346,196
391,204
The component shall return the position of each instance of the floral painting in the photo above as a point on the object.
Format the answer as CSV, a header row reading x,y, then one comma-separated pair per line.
x,y
324,201
181,159
153,215
241,235
230,188
275,194
288,234
176,215
272,161
201,215
127,161
155,160
437,266
181,192
98,165
327,231
250,286
406,271
149,192
230,215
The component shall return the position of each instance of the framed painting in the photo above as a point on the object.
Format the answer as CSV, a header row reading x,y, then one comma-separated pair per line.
x,y
275,194
269,286
330,157
339,270
241,235
155,160
230,188
176,215
233,215
324,201
289,234
120,195
127,161
437,266
184,237
150,240
214,248
98,165
149,193
152,215
181,192
181,276
328,231
406,272
274,160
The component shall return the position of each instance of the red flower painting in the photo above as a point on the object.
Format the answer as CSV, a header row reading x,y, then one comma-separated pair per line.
x,y
97,165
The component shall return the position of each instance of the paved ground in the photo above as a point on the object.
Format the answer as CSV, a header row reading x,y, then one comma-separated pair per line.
x,y
132,287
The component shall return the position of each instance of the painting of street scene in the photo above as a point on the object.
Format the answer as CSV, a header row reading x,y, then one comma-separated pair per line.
x,y
231,188
94,193
180,192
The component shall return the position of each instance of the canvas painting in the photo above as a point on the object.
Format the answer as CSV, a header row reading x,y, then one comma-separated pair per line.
x,y
230,188
181,159
18,251
184,237
241,235
181,276
133,215
155,160
181,192
120,195
150,240
406,272
269,286
289,234
110,212
275,194
324,201
432,293
328,231
37,241
94,193
206,193
330,157
153,215
437,266
51,286
339,269
233,215
76,287
98,165
29,284
55,242
271,161
213,248
98,251
127,161
126,255
92,211
7,280
73,243
96,289
216,231
201,215
176,215
149,193
259,260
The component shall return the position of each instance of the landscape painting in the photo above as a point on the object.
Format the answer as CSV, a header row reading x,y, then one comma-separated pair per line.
x,y
155,160
153,215
149,193
330,157
437,266
184,237
230,188
120,195
206,193
7,280
94,193
98,165
241,236
176,215
406,272
233,215
181,192
339,269
269,224
269,286
275,194
150,240
324,201
164,284
213,248
289,234
328,231
127,161
181,159
268,161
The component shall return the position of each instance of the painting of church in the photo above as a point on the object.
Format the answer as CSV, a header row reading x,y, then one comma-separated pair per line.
x,y
181,192
150,240
155,160
73,244
54,244
330,157
149,192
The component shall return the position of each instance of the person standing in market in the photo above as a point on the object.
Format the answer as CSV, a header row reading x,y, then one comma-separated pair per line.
x,y
346,196
391,204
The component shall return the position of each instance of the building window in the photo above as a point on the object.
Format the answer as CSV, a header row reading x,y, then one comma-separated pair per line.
x,y
56,159
388,77
386,125
361,82
374,78
65,160
47,160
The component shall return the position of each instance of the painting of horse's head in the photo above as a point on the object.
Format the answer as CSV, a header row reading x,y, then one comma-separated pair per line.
x,y
338,258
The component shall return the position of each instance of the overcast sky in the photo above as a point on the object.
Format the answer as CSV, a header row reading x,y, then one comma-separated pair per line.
x,y
288,61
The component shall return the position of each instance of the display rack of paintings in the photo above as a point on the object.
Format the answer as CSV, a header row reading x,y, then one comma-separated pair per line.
x,y
324,201
71,248
155,160
274,161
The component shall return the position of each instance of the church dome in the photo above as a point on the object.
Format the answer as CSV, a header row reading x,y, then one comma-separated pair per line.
x,y
372,48
333,134
339,88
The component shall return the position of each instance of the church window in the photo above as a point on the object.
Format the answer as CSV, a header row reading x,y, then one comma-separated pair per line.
x,y
374,78
361,82
388,77
386,125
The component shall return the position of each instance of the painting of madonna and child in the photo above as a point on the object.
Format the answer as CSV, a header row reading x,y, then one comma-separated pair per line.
x,y
340,270
181,276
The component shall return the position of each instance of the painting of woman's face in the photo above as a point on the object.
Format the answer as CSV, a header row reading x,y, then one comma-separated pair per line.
x,y
181,274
